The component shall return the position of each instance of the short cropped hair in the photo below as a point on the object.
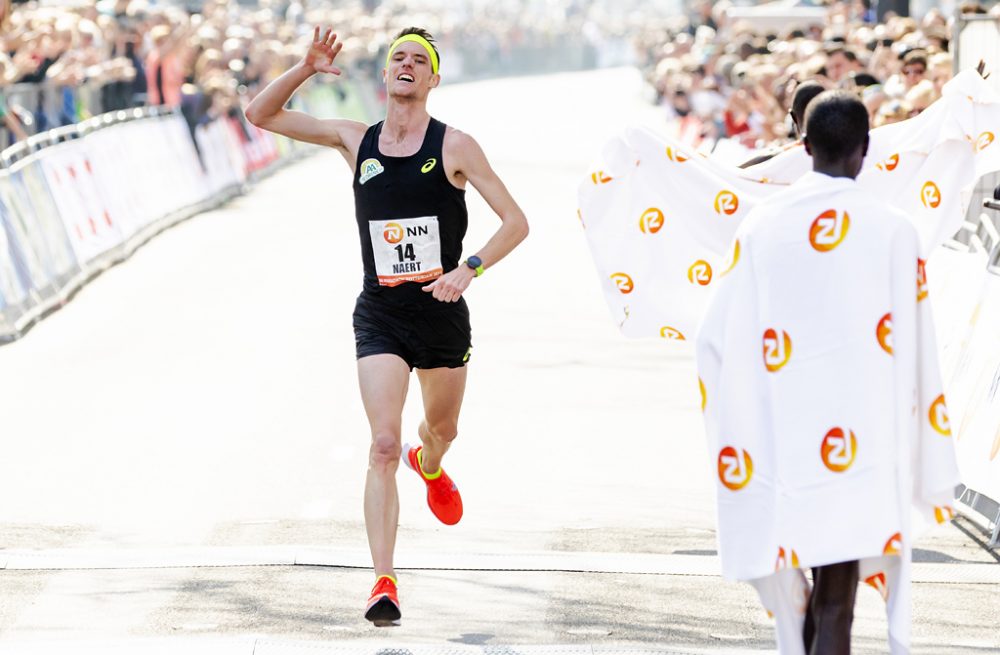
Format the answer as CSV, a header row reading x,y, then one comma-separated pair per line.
x,y
421,32
804,93
836,125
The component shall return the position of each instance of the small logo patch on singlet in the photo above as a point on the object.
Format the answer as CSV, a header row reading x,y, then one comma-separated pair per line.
x,y
429,165
369,169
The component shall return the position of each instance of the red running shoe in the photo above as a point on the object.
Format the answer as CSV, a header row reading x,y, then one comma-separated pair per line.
x,y
442,494
383,605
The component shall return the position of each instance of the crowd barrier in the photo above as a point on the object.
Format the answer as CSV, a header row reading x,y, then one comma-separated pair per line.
x,y
44,106
968,308
77,199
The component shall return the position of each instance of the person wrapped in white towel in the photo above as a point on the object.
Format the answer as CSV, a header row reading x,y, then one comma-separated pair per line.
x,y
823,402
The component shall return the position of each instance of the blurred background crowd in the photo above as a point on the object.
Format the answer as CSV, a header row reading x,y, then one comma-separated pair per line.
x,y
62,61
717,70
726,72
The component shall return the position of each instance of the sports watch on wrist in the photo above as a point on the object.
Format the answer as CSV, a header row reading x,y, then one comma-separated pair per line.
x,y
475,264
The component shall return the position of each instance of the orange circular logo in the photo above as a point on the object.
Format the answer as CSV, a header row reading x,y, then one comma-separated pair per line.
x,y
393,232
777,349
828,230
894,546
735,468
704,396
651,221
700,273
984,141
726,202
676,156
668,332
600,177
838,449
939,417
883,332
889,164
786,558
930,195
733,258
943,514
921,280
623,281
878,583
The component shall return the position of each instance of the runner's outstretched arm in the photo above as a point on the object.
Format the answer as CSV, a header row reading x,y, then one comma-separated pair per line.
x,y
469,161
267,110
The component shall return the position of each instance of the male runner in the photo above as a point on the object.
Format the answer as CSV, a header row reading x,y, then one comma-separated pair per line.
x,y
410,172
822,398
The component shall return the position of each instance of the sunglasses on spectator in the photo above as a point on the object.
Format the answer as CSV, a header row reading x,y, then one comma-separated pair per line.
x,y
915,70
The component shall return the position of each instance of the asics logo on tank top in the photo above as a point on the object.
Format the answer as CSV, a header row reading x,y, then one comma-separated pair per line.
x,y
429,165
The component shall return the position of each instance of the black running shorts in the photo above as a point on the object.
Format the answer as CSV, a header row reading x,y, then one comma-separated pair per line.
x,y
424,336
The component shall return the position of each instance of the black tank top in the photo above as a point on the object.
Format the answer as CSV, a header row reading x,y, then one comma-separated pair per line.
x,y
411,219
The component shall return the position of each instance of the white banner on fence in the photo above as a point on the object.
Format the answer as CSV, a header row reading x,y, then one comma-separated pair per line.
x,y
221,155
85,215
974,395
12,289
955,280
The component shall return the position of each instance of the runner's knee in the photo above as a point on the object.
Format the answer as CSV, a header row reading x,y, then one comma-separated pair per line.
x,y
386,449
443,430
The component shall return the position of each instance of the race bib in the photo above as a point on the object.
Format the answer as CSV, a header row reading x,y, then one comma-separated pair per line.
x,y
406,250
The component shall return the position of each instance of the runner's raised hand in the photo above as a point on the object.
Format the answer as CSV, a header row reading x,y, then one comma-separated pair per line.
x,y
322,52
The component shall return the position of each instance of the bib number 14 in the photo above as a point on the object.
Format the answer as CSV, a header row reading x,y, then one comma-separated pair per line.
x,y
405,253
406,250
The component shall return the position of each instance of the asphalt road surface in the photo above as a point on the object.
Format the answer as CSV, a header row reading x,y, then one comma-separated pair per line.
x,y
184,446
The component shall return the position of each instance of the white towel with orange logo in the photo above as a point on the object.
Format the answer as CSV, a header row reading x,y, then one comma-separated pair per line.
x,y
659,219
822,397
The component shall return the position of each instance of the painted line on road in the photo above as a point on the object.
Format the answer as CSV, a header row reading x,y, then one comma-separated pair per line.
x,y
147,558
273,646
542,561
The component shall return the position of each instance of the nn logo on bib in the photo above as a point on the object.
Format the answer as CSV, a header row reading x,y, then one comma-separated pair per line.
x,y
394,232
369,168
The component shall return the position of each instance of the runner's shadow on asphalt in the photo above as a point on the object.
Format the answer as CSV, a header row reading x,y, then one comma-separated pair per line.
x,y
921,555
473,638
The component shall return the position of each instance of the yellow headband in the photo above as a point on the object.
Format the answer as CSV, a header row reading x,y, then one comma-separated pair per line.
x,y
416,38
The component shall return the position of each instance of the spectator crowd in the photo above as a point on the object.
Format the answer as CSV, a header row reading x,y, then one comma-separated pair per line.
x,y
719,75
61,63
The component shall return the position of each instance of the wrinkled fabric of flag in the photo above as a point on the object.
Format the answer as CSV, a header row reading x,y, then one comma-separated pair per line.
x,y
823,400
660,219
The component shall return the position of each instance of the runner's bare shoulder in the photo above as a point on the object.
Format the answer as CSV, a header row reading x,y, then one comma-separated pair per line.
x,y
460,151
